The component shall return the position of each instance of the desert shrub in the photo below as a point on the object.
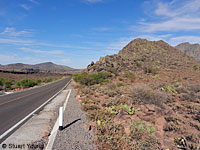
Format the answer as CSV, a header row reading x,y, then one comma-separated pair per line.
x,y
38,81
90,79
169,88
145,94
150,69
26,83
139,129
48,79
130,110
130,75
113,70
119,84
1,81
120,79
138,64
7,84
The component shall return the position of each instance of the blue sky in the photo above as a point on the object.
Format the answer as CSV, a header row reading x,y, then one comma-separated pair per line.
x,y
76,32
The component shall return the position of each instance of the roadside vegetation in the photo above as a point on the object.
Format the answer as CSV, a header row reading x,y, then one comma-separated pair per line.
x,y
23,82
134,111
91,79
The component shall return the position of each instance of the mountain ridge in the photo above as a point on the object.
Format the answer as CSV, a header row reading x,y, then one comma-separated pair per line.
x,y
190,49
41,67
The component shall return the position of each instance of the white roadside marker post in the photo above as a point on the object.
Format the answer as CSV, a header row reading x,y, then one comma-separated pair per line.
x,y
61,118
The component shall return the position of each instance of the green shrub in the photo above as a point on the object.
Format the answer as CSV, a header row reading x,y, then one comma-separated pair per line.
x,y
48,79
130,75
138,64
119,84
7,84
90,79
1,81
38,81
113,70
26,83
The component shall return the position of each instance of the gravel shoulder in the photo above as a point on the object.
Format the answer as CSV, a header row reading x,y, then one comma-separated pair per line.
x,y
74,136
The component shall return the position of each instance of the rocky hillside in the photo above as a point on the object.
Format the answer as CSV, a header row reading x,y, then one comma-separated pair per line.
x,y
43,67
141,53
146,97
190,49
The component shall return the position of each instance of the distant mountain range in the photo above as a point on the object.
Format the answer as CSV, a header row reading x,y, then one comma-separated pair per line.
x,y
190,49
42,67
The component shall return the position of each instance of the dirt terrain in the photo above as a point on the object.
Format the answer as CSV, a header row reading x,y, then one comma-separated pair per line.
x,y
147,97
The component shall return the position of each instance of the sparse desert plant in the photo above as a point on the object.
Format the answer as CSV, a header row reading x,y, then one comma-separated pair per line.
x,y
7,84
90,79
113,70
170,88
144,135
130,75
119,84
1,82
138,64
145,94
26,83
150,69
48,79
38,81
130,110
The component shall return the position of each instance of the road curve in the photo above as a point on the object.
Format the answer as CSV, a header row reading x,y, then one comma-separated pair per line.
x,y
15,107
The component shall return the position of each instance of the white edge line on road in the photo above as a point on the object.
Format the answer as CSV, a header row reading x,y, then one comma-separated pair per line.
x,y
55,128
16,125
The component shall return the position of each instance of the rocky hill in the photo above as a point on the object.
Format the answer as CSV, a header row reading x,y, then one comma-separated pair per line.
x,y
146,97
190,49
141,53
42,67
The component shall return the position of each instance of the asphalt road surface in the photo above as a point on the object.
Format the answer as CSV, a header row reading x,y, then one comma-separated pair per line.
x,y
15,107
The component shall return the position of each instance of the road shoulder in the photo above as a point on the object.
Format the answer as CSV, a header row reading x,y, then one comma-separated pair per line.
x,y
74,136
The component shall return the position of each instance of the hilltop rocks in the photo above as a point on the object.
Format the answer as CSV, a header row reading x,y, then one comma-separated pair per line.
x,y
140,54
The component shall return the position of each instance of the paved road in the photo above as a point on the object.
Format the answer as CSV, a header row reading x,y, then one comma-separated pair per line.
x,y
15,107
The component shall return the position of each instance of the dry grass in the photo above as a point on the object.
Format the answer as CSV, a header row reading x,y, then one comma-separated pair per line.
x,y
146,95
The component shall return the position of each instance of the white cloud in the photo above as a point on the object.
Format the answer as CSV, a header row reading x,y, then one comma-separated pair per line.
x,y
8,59
52,52
174,24
93,1
174,16
26,7
34,1
11,32
16,41
22,42
63,61
180,39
